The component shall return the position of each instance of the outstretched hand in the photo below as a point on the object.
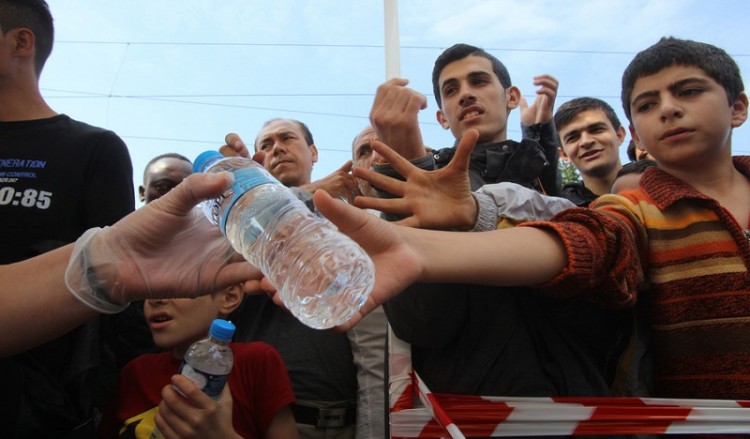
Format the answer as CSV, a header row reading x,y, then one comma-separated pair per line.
x,y
340,184
439,199
542,110
397,264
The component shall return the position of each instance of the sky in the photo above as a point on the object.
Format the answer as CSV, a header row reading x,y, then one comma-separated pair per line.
x,y
178,75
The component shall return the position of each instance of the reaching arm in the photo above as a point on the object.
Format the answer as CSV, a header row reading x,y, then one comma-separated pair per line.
x,y
402,255
165,249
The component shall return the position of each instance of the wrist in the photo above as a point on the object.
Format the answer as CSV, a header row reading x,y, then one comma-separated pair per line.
x,y
85,277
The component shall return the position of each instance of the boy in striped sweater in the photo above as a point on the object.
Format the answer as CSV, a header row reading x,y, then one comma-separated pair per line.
x,y
678,245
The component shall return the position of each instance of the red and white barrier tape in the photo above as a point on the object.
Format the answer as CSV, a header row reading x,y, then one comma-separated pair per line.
x,y
471,416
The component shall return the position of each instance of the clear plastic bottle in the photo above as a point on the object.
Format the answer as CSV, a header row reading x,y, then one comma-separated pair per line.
x,y
321,275
207,362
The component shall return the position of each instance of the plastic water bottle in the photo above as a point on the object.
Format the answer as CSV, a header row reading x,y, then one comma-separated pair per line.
x,y
207,362
321,275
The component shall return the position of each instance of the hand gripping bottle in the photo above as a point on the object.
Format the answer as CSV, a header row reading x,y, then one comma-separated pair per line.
x,y
208,361
321,275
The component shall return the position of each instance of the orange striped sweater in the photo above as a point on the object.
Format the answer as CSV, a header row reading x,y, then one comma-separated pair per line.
x,y
685,259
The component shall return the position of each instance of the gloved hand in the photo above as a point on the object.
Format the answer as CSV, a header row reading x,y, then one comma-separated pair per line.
x,y
165,249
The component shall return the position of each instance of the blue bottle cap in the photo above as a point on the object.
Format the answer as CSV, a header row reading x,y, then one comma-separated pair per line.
x,y
204,159
222,329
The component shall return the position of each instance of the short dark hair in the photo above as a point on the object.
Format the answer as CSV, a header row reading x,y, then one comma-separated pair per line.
x,y
569,110
169,155
35,16
670,51
305,130
631,151
636,167
461,51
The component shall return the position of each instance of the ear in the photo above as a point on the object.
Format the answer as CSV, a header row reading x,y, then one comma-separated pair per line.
x,y
739,110
24,40
512,97
314,152
231,299
442,120
563,154
635,137
142,193
621,135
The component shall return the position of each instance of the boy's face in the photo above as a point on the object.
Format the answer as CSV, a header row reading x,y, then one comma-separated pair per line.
x,y
473,97
176,323
288,156
591,143
680,116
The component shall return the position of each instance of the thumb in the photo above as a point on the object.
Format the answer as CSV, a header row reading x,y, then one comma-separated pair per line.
x,y
523,104
347,167
192,190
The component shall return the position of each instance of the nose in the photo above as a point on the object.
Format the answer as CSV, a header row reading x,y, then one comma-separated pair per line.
x,y
278,148
586,140
670,108
467,98
156,302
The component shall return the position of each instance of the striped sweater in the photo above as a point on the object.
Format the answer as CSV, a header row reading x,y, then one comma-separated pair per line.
x,y
685,260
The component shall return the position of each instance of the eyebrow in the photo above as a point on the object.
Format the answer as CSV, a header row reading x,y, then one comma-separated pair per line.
x,y
671,87
599,124
471,75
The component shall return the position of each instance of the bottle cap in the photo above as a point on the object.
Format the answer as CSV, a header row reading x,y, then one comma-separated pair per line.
x,y
204,159
222,329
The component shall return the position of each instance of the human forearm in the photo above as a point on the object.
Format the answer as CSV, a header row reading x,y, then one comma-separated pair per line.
x,y
36,302
519,256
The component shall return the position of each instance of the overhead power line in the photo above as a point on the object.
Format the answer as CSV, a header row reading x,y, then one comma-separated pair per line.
x,y
352,46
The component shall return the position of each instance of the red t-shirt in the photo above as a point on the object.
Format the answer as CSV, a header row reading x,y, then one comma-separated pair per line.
x,y
259,384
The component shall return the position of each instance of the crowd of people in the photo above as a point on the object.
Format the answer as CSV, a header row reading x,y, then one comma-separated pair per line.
x,y
631,281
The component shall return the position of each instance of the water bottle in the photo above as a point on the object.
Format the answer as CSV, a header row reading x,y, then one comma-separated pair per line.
x,y
321,275
207,362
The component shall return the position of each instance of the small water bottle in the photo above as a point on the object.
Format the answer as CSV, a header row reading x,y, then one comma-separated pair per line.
x,y
321,275
207,362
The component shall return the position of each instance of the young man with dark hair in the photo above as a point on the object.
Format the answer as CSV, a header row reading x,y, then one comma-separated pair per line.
x,y
590,137
60,177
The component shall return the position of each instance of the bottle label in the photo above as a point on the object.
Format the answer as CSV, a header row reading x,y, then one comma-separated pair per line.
x,y
211,385
244,180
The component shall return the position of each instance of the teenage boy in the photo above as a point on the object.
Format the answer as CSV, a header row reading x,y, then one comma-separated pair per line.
x,y
255,403
590,137
679,242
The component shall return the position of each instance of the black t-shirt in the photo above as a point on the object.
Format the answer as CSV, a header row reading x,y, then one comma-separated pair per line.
x,y
58,178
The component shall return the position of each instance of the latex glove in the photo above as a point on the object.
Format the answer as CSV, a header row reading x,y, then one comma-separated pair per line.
x,y
164,249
